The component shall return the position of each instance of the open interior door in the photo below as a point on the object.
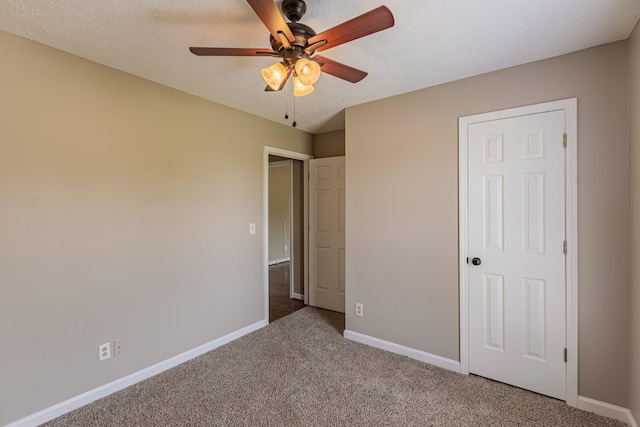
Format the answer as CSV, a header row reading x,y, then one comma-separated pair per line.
x,y
327,233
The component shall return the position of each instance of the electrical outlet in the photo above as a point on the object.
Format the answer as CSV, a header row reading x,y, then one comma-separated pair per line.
x,y
359,309
104,351
118,347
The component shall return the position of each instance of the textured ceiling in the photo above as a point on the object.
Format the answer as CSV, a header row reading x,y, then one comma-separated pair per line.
x,y
432,42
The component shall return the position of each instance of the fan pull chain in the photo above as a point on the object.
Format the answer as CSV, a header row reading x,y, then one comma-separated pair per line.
x,y
294,124
286,101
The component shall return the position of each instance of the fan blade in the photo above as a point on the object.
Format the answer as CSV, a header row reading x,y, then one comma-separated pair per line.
x,y
284,82
339,70
230,51
271,17
371,22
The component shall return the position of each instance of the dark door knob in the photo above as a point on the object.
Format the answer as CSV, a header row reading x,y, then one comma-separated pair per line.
x,y
476,261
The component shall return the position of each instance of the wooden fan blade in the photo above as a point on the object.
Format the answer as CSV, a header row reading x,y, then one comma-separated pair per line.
x,y
230,51
284,82
339,70
371,22
271,17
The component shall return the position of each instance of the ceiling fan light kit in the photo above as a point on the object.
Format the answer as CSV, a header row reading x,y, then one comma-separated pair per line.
x,y
296,45
299,88
275,75
307,71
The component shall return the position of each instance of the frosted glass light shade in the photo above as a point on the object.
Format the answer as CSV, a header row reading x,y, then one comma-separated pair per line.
x,y
300,89
308,71
274,75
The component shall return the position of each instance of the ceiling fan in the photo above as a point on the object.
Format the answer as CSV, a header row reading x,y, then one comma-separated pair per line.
x,y
296,45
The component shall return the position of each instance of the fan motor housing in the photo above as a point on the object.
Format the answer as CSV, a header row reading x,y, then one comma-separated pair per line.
x,y
301,33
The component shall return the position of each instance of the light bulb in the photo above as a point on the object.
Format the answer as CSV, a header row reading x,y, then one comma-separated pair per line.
x,y
308,71
275,75
300,89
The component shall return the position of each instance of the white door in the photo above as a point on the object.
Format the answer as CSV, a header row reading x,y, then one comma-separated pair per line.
x,y
516,193
327,231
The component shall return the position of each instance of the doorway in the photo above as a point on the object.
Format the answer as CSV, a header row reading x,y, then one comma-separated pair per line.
x,y
285,237
518,247
286,272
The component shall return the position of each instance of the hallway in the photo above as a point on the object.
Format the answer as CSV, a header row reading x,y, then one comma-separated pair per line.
x,y
280,304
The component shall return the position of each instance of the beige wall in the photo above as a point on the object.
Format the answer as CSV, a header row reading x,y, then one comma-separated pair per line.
x,y
402,209
329,144
634,332
124,213
279,210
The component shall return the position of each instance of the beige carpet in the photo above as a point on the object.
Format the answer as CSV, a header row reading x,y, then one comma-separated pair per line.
x,y
300,371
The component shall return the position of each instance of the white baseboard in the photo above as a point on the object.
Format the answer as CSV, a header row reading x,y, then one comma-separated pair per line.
x,y
279,261
69,405
607,410
432,359
297,296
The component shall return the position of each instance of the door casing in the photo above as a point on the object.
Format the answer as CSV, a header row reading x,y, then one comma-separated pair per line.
x,y
570,107
265,220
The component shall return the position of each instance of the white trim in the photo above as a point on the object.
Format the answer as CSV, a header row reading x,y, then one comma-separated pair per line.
x,y
571,230
76,402
432,359
305,180
607,410
292,243
298,296
570,106
463,245
265,215
279,261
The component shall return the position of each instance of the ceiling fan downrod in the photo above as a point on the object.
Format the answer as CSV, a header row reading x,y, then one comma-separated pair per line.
x,y
294,10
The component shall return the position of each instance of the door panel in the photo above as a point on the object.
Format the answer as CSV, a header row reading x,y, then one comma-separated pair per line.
x,y
492,211
494,311
517,229
534,318
327,233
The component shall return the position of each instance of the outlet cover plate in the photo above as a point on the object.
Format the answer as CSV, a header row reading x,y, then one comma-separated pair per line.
x,y
104,351
118,347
